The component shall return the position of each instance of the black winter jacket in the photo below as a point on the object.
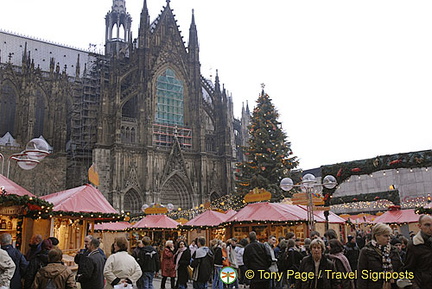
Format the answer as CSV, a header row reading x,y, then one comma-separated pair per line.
x,y
370,260
148,259
308,265
257,257
419,261
90,271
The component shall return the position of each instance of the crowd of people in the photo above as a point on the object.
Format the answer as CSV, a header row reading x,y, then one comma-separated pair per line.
x,y
380,259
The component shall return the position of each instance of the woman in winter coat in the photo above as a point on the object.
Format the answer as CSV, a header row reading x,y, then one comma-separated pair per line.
x,y
378,257
121,267
316,265
168,265
182,261
341,262
55,274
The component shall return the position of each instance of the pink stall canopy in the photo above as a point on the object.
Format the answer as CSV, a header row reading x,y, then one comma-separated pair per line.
x,y
117,226
12,188
209,218
86,199
398,217
269,212
156,222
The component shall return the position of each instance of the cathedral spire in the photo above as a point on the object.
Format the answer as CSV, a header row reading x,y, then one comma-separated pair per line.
x,y
144,26
217,83
193,34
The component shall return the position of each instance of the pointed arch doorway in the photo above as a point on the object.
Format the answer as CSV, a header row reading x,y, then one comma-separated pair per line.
x,y
176,191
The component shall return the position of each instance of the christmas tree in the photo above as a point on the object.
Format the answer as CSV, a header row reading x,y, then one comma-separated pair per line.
x,y
268,155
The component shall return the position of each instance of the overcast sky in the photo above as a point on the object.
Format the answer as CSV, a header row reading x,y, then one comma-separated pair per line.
x,y
350,79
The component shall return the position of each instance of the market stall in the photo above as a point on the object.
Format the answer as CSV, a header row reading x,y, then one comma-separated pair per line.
x,y
107,232
401,221
267,219
278,219
158,227
208,225
21,213
74,213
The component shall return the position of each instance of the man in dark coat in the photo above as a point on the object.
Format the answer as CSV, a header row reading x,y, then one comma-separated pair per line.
x,y
20,261
352,252
148,259
257,257
419,255
90,272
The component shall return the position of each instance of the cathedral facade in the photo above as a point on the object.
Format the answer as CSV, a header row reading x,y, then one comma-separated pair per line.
x,y
155,129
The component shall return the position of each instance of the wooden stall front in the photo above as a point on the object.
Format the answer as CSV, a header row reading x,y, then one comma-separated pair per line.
x,y
74,214
21,214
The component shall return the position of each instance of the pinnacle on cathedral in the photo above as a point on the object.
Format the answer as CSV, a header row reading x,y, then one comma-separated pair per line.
x,y
119,6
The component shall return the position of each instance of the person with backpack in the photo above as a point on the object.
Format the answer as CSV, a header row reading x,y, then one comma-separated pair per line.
x,y
55,275
202,264
90,271
148,260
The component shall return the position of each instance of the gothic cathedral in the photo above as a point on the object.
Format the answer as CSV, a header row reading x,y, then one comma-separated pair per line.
x,y
156,130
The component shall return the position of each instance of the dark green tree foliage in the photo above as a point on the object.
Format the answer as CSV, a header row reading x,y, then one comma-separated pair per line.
x,y
268,156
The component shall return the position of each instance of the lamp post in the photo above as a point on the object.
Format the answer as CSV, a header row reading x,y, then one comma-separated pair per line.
x,y
308,185
36,150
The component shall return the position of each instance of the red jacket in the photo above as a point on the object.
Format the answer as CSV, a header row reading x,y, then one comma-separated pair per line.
x,y
168,264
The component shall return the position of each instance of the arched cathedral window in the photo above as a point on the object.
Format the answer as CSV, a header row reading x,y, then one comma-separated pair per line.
x,y
169,93
7,109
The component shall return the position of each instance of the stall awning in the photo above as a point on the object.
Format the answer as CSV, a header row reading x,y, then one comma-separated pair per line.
x,y
275,212
209,218
156,222
117,226
85,199
398,217
12,188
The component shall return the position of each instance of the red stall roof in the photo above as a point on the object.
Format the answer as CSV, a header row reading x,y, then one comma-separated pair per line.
x,y
13,188
156,222
117,226
85,199
269,212
209,218
398,216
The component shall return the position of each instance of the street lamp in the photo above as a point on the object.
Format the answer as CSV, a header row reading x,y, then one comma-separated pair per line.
x,y
36,150
308,186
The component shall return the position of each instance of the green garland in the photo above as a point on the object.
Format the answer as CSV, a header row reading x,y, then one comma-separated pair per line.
x,y
343,171
33,207
392,196
97,216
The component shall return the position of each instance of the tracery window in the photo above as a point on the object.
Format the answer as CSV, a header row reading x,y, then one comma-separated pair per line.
x,y
169,93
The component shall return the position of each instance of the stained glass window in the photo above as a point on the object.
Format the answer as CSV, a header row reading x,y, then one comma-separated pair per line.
x,y
169,93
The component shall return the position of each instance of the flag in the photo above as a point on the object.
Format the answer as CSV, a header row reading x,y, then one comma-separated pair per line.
x,y
93,175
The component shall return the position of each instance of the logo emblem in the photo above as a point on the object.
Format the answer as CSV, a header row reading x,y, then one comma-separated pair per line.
x,y
228,275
